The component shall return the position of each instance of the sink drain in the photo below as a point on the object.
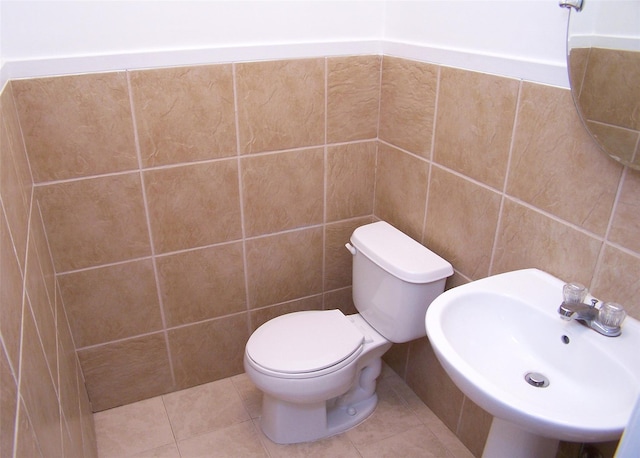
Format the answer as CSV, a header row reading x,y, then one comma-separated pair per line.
x,y
536,379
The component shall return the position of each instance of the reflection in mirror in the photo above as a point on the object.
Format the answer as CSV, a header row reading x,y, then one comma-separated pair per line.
x,y
604,72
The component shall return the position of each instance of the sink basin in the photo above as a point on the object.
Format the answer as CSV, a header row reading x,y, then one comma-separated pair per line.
x,y
489,334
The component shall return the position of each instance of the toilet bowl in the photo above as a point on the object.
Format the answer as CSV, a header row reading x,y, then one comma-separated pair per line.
x,y
317,369
305,399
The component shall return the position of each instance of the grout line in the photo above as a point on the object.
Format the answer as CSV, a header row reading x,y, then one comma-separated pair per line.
x,y
503,194
380,81
173,433
402,150
100,266
90,177
375,159
243,224
431,156
186,164
605,242
207,320
325,180
164,331
149,231
187,250
23,307
30,265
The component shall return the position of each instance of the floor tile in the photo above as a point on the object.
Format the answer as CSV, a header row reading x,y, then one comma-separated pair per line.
x,y
392,416
204,408
415,442
240,440
221,419
166,451
133,428
250,395
336,446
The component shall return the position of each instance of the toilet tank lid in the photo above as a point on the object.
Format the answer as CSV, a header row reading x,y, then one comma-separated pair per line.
x,y
399,254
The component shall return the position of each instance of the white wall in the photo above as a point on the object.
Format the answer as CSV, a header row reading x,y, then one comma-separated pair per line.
x,y
608,24
521,38
41,29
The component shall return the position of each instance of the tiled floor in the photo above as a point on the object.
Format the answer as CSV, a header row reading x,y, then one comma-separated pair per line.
x,y
220,419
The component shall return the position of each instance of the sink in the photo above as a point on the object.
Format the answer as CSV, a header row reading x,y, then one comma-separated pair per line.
x,y
491,333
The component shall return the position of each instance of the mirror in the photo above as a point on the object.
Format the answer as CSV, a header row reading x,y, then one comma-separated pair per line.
x,y
603,58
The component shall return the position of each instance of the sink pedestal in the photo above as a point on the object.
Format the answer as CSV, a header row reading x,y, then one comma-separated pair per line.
x,y
507,440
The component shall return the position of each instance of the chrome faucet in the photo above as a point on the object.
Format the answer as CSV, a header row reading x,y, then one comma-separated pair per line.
x,y
606,319
578,311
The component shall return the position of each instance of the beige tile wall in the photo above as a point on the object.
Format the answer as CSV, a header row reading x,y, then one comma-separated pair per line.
x,y
253,175
44,408
224,205
512,180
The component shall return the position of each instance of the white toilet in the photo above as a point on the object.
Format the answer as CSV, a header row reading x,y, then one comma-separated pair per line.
x,y
317,369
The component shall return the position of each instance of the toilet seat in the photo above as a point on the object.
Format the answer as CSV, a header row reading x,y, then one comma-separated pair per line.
x,y
304,343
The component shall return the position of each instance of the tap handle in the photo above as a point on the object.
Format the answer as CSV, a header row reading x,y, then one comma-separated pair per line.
x,y
611,315
574,293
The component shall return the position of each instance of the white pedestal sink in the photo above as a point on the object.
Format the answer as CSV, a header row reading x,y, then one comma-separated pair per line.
x,y
491,333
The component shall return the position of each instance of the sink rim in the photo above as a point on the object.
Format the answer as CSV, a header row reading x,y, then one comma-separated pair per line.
x,y
478,386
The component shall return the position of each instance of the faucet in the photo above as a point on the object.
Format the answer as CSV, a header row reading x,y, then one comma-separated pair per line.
x,y
606,319
579,311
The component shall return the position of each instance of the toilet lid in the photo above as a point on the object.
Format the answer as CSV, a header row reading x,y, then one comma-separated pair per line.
x,y
302,342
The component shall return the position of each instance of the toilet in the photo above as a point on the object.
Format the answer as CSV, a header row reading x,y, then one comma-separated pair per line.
x,y
317,369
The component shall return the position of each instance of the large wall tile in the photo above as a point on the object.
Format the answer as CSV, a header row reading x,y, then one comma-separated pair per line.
x,y
281,104
208,351
555,165
341,299
111,302
42,309
89,443
353,97
8,403
283,191
184,114
350,180
68,383
126,371
530,239
200,284
38,390
95,221
26,441
462,222
475,123
431,383
625,225
474,426
611,95
617,280
401,190
193,205
16,194
76,126
11,282
407,104
337,259
38,237
264,314
284,266
13,143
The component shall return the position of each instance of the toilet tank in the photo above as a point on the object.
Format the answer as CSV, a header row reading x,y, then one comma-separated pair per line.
x,y
395,279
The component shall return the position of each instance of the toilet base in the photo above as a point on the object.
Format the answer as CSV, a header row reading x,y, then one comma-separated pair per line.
x,y
288,423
